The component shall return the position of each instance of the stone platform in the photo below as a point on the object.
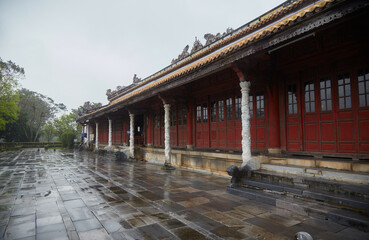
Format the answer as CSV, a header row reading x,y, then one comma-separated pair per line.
x,y
73,195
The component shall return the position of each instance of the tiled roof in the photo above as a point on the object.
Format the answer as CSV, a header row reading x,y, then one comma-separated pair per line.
x,y
246,35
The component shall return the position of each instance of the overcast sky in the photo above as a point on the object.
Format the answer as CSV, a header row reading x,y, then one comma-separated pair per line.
x,y
73,50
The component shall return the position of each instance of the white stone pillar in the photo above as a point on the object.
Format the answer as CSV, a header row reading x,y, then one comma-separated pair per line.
x,y
132,134
167,133
245,116
110,133
97,137
88,134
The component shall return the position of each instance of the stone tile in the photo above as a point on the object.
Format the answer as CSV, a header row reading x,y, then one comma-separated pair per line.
x,y
252,209
238,214
6,208
49,220
2,230
20,231
73,235
111,226
273,227
137,202
51,206
51,228
65,188
155,231
227,232
87,225
44,214
222,204
256,232
170,206
80,213
321,225
70,196
22,219
151,196
286,221
22,211
57,235
96,234
76,203
194,202
124,209
346,234
188,189
202,221
172,224
188,233
142,207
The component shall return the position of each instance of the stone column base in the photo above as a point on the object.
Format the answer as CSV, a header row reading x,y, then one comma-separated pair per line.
x,y
274,150
189,147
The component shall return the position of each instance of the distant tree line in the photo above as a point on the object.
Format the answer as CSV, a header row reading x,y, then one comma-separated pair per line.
x,y
28,116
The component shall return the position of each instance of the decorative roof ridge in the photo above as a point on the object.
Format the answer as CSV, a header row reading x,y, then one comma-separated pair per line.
x,y
248,38
247,28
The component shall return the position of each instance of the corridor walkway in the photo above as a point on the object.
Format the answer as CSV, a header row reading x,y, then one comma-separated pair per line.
x,y
73,195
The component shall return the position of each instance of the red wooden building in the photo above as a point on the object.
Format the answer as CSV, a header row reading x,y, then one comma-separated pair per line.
x,y
307,63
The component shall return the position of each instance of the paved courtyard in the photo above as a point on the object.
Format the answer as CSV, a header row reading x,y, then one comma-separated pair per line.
x,y
66,195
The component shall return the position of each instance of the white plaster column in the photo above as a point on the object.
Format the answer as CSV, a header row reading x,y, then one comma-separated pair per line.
x,y
245,116
97,137
88,134
167,133
132,134
110,133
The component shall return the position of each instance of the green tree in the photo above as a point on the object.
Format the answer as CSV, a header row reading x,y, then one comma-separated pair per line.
x,y
67,123
67,139
36,110
48,130
10,73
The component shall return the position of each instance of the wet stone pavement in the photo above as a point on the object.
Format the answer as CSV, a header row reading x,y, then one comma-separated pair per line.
x,y
67,195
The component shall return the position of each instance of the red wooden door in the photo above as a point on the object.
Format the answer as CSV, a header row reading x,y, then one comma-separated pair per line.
x,y
363,110
182,126
345,114
214,142
260,124
252,121
157,132
162,129
326,116
237,122
103,132
231,133
117,131
202,126
310,117
222,141
293,120
173,128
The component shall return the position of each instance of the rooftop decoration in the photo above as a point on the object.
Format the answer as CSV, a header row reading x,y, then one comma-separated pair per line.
x,y
119,89
90,107
197,45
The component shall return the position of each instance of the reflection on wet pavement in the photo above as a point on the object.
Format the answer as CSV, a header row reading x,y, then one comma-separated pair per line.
x,y
67,195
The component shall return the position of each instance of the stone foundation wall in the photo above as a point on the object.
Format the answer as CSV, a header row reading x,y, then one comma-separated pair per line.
x,y
204,161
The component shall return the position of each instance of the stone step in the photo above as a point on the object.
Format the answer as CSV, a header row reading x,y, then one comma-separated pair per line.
x,y
298,183
335,164
305,207
319,173
352,202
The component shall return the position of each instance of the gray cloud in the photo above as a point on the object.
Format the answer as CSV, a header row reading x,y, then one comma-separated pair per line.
x,y
73,51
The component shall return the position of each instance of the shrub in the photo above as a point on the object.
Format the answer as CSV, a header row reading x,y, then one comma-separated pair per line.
x,y
67,139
